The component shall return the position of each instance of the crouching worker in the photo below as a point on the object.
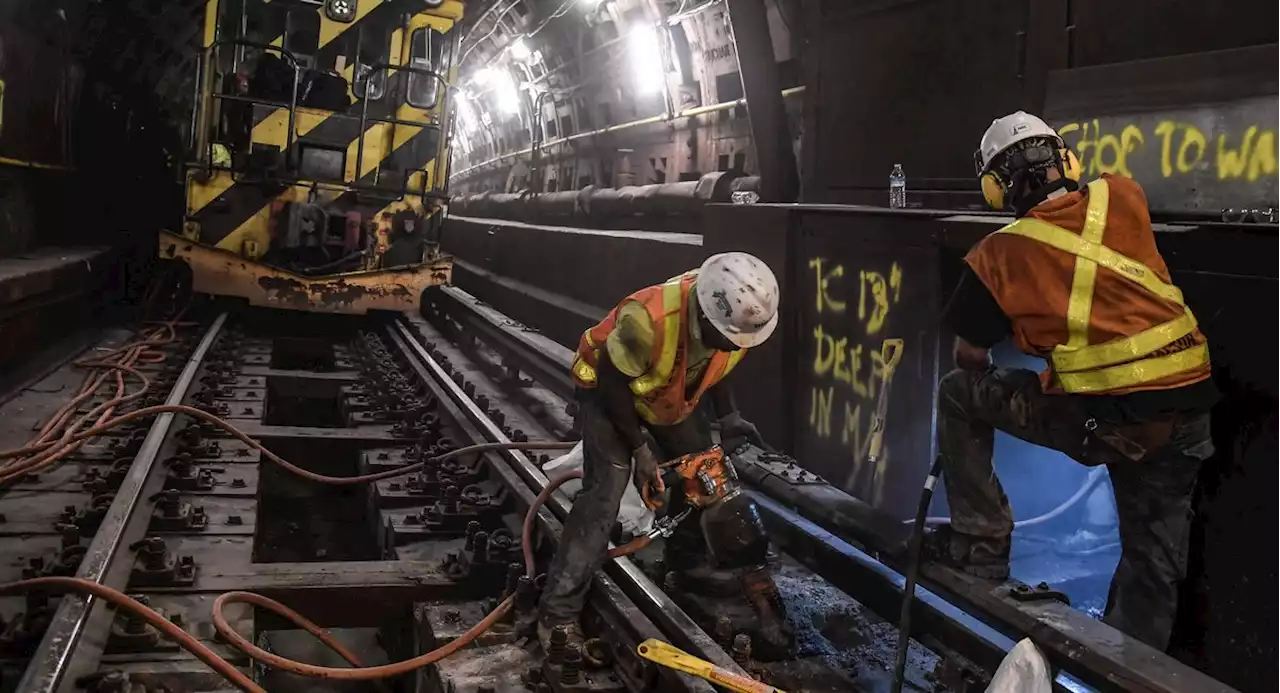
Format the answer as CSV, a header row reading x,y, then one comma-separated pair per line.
x,y
645,367
1078,281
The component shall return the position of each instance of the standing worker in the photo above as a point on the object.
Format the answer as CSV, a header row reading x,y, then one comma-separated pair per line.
x,y
647,364
1076,280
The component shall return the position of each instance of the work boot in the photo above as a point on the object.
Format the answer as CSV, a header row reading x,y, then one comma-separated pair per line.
x,y
984,557
573,633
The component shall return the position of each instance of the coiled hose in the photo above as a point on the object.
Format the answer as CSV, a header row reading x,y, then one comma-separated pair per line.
x,y
357,672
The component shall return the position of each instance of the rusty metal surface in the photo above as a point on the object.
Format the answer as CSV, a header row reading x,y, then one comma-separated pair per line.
x,y
225,274
604,206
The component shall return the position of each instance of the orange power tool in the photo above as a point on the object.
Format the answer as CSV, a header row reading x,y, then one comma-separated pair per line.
x,y
707,477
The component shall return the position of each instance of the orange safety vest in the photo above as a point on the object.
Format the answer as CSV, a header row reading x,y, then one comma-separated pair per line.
x,y
1096,301
660,392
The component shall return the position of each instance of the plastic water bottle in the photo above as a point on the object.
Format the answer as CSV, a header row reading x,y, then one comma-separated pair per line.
x,y
897,188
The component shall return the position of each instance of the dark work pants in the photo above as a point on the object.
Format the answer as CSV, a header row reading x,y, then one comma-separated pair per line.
x,y
1153,495
606,473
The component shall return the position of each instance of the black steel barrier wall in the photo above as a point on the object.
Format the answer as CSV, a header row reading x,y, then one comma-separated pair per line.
x,y
853,277
856,276
561,280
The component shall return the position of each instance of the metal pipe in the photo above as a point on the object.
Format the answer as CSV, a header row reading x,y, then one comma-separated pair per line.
x,y
687,113
52,661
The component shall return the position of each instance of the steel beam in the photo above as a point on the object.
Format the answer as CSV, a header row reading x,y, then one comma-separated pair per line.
x,y
779,181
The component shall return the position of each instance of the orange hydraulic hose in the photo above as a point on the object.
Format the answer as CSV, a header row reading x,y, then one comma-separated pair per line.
x,y
396,668
223,627
162,624
306,474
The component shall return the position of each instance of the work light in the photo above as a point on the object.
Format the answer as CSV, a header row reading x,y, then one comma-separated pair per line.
x,y
340,10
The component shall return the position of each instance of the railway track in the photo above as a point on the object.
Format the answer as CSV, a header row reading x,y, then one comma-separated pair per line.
x,y
251,489
174,509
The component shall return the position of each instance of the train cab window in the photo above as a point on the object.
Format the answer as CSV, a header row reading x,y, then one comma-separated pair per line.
x,y
374,48
429,50
302,36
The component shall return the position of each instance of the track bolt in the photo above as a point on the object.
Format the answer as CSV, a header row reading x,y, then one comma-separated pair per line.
x,y
724,629
556,647
741,648
134,624
572,671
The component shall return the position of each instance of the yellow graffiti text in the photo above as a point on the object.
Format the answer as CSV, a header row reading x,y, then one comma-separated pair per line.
x,y
1183,149
820,411
824,299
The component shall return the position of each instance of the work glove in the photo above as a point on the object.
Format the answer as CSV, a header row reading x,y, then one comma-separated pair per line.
x,y
736,431
647,476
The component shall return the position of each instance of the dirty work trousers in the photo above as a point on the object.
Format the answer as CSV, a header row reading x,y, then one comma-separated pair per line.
x,y
606,473
1153,495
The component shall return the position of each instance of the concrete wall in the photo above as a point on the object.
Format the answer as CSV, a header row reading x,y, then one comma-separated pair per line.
x,y
562,280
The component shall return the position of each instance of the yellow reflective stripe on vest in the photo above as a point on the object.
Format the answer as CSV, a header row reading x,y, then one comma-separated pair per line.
x,y
1126,349
1081,367
734,358
583,371
660,373
1068,242
1085,275
646,413
1136,373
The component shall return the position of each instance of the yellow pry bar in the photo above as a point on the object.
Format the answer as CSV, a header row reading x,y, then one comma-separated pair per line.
x,y
675,658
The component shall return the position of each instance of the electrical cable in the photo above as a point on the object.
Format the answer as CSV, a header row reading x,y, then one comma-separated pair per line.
x,y
913,572
48,451
357,672
1093,479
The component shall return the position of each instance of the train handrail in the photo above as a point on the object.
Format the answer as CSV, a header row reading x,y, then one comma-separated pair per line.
x,y
203,64
364,111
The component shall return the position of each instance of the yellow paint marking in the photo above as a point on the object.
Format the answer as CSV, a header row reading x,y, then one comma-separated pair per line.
x,y
330,30
210,22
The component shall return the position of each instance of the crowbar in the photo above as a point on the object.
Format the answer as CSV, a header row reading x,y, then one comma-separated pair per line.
x,y
674,658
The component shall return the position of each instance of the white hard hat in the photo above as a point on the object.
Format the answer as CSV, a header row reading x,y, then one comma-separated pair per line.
x,y
739,295
1006,132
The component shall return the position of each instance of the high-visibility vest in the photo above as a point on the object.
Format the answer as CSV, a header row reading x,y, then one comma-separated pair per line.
x,y
1107,322
659,393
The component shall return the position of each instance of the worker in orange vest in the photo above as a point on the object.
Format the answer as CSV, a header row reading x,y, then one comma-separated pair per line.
x,y
1076,280
645,367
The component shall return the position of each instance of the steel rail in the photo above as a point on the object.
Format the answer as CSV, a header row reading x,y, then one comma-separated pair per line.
x,y
1089,650
651,599
63,653
526,348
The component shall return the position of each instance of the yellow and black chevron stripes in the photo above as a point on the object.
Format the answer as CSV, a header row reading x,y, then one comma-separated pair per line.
x,y
242,209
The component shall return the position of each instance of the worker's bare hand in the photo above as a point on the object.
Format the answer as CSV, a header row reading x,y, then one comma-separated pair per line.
x,y
647,477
